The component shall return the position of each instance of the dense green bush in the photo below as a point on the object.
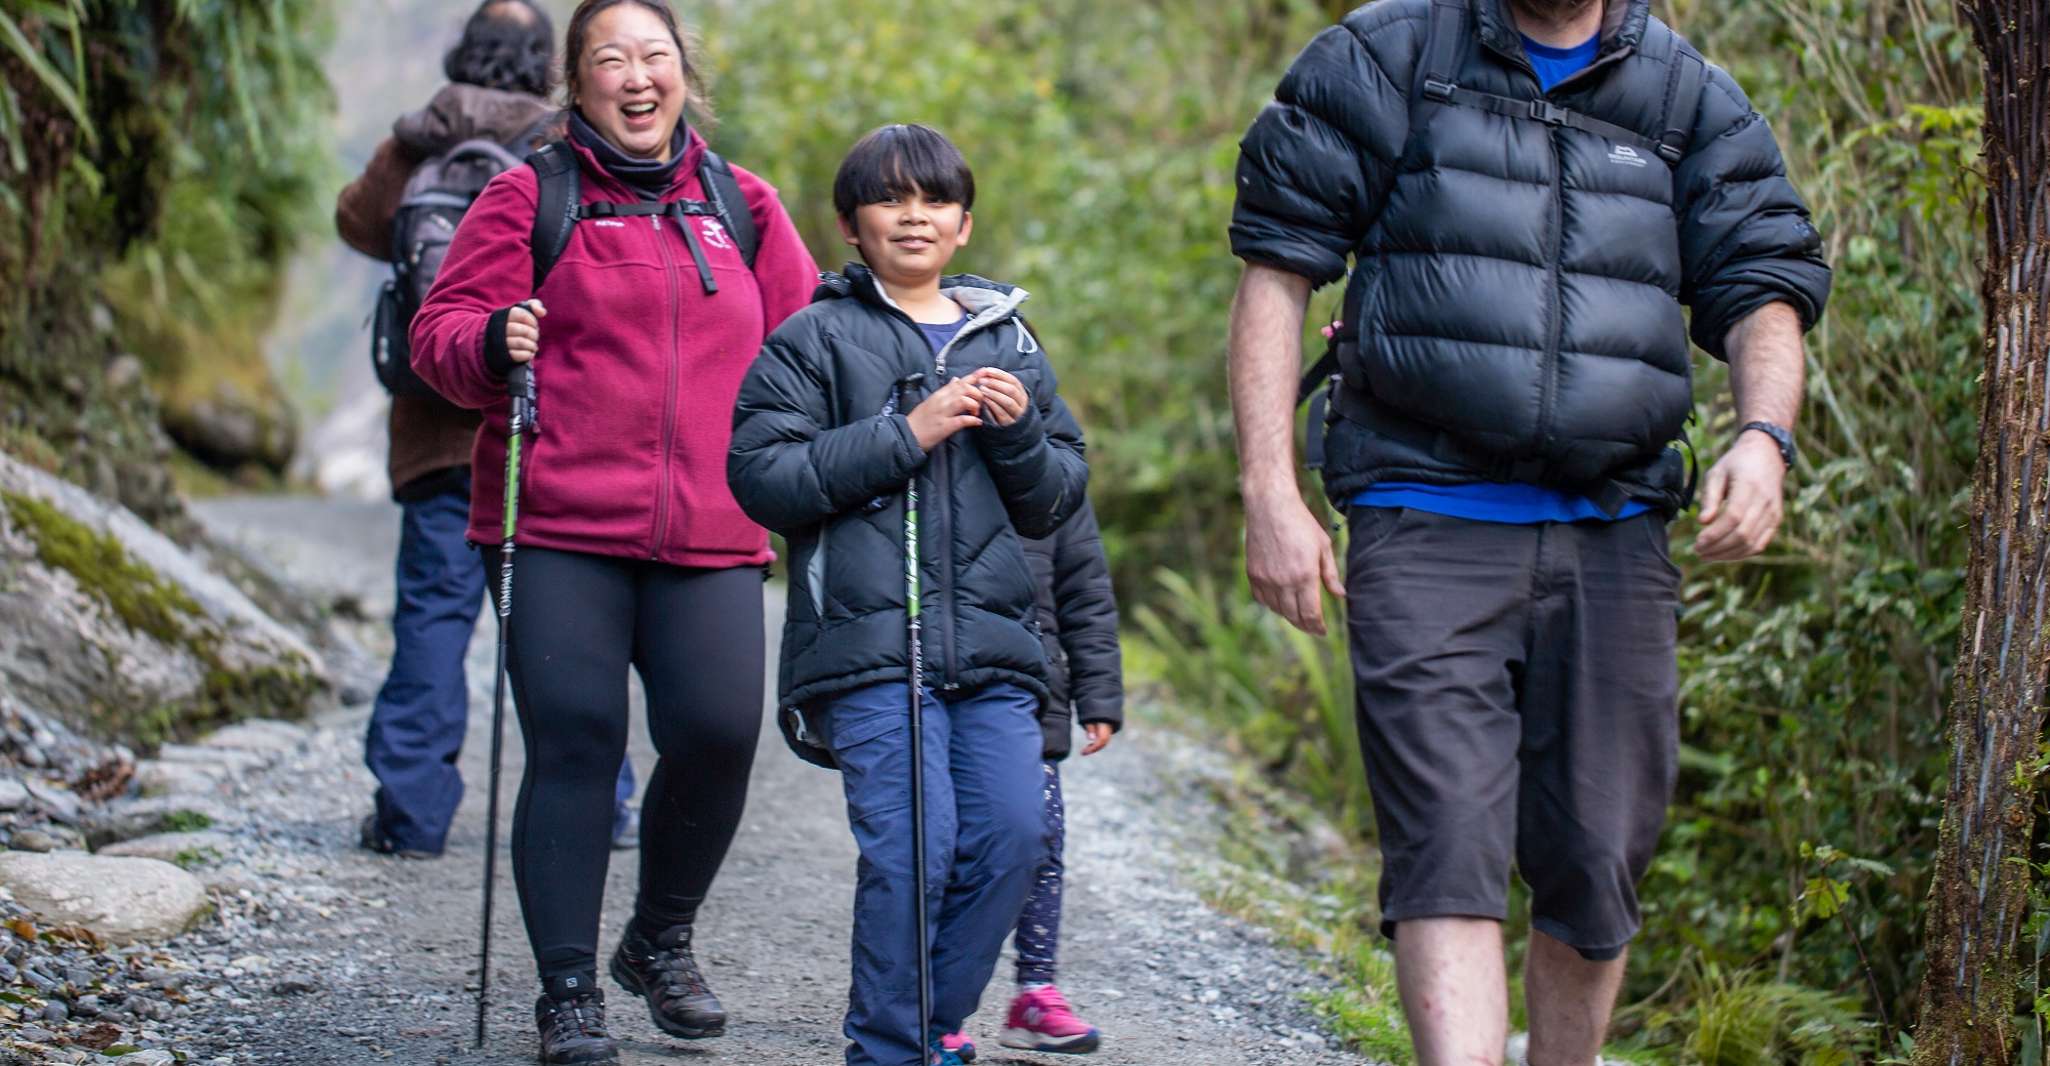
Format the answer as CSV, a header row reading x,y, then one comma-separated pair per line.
x,y
156,164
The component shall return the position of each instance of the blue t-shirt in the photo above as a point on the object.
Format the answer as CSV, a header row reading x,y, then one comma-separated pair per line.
x,y
1554,65
1507,501
939,335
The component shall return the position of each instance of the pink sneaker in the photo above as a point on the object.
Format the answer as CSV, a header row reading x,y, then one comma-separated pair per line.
x,y
960,1045
1041,1020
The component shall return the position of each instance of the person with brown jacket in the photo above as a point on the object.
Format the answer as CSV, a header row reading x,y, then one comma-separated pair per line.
x,y
498,81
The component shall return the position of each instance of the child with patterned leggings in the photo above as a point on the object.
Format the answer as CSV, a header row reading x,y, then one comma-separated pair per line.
x,y
1078,619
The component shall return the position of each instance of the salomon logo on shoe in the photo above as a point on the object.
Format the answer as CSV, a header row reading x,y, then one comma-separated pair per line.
x,y
1624,155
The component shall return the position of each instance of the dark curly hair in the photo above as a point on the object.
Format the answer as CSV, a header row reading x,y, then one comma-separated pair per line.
x,y
507,44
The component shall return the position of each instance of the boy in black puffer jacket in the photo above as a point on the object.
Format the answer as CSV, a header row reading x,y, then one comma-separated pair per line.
x,y
821,453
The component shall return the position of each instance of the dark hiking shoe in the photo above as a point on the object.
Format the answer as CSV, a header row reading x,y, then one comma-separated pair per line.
x,y
571,1017
372,837
664,972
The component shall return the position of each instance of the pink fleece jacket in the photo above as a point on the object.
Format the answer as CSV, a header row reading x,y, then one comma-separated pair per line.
x,y
637,373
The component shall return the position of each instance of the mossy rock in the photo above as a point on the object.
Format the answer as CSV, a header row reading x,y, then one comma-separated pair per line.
x,y
108,624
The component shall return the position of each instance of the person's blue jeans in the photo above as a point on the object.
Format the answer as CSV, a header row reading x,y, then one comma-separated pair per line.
x,y
985,838
422,710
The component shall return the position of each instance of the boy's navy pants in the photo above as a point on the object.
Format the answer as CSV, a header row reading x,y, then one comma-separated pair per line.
x,y
985,831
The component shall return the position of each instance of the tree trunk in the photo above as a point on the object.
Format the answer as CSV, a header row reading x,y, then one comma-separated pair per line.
x,y
1979,896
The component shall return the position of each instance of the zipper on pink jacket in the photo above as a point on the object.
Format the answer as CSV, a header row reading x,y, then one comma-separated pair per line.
x,y
668,393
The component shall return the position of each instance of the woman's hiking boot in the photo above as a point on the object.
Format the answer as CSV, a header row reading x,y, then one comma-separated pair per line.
x,y
571,1016
664,971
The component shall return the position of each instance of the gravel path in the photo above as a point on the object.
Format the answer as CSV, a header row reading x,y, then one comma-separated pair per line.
x,y
387,947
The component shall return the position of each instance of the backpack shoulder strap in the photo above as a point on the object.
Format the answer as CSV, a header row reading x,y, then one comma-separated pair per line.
x,y
723,190
555,211
1438,63
1683,100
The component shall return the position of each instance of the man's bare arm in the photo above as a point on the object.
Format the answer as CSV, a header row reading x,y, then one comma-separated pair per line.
x,y
1742,499
1288,552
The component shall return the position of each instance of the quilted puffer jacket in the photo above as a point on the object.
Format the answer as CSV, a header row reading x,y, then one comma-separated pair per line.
x,y
821,453
1519,281
1078,620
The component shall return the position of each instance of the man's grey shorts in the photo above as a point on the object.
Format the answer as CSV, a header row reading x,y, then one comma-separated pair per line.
x,y
1517,698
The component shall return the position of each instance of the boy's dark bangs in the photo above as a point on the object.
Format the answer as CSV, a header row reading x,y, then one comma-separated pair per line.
x,y
895,161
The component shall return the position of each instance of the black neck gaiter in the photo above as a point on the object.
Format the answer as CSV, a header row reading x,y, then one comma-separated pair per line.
x,y
648,178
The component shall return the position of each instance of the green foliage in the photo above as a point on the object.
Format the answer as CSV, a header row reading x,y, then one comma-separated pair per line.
x,y
1814,679
148,204
186,822
1279,695
194,858
1743,1018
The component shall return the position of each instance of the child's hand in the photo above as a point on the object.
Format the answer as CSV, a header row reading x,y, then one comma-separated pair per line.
x,y
523,330
1099,736
1004,393
949,410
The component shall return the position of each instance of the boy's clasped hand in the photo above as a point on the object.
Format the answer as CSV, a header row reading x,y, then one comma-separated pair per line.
x,y
963,402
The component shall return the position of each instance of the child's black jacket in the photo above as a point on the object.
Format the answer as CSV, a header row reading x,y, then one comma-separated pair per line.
x,y
1078,615
816,459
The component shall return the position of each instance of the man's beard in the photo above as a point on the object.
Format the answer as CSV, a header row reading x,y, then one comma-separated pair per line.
x,y
1555,11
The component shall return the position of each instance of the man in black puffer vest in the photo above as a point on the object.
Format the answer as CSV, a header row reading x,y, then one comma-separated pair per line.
x,y
1530,192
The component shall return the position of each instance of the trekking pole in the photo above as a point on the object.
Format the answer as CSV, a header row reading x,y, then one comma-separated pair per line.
x,y
521,384
907,395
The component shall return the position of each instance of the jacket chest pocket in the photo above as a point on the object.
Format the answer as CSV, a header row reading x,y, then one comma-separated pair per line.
x,y
606,243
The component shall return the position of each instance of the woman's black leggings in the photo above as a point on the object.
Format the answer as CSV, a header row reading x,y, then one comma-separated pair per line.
x,y
695,636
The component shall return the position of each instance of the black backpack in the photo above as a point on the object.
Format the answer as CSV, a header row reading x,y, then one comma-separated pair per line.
x,y
561,206
440,191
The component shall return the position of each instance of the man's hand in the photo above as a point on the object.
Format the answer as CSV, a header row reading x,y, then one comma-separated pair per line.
x,y
1288,555
1741,500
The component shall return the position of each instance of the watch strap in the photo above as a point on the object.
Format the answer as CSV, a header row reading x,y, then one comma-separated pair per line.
x,y
1782,438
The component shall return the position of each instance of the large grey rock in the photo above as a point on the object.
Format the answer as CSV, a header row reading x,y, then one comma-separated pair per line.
x,y
200,845
259,736
129,819
102,616
124,900
224,760
155,777
14,795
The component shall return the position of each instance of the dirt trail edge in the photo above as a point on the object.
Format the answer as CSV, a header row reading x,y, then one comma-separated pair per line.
x,y
366,959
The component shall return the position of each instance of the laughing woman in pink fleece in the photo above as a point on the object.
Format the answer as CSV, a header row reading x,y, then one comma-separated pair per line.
x,y
633,552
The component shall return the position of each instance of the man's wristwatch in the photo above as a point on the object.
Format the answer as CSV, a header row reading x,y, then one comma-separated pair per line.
x,y
1780,435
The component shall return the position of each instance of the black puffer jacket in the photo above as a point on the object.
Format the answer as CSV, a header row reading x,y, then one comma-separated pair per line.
x,y
1518,284
816,458
1078,619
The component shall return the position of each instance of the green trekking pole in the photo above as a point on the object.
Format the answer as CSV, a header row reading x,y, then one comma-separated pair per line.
x,y
520,381
907,396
